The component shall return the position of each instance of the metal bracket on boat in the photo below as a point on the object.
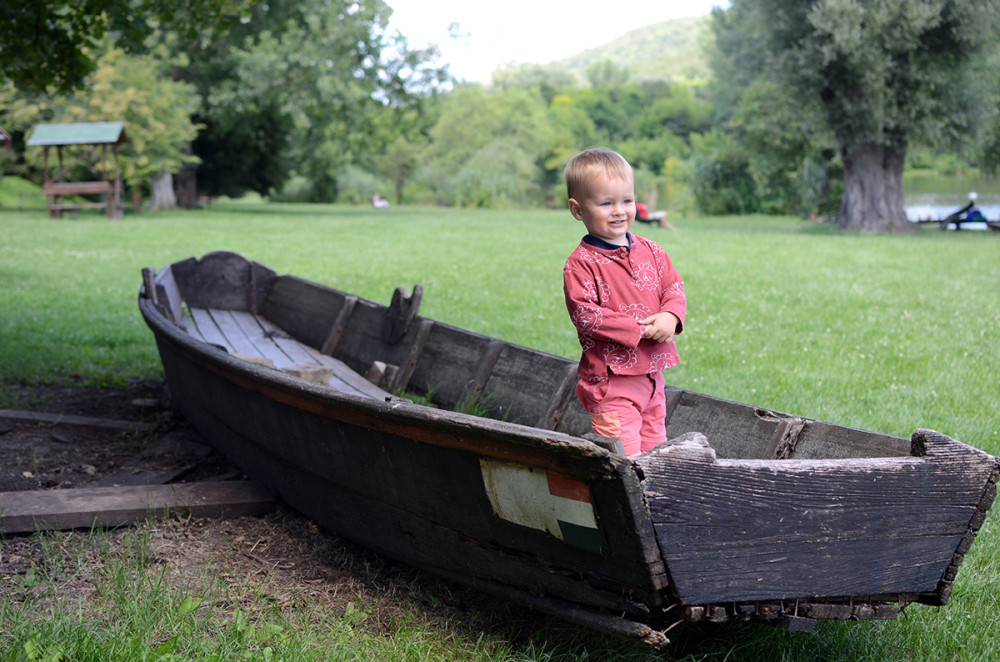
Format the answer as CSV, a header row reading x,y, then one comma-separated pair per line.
x,y
401,312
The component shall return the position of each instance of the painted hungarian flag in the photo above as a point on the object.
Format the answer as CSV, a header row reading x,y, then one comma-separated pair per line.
x,y
542,500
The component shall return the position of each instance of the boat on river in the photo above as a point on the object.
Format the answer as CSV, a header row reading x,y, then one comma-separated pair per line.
x,y
470,457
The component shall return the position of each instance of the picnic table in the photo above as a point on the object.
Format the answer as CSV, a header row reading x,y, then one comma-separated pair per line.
x,y
81,141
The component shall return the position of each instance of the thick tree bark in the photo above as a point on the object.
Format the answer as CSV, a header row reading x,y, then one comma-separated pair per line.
x,y
161,195
873,189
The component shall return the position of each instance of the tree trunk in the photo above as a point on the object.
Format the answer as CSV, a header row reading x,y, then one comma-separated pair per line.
x,y
161,195
873,189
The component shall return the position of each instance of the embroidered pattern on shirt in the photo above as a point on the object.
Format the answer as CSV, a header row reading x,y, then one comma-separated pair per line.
x,y
587,319
659,361
595,257
620,356
646,277
677,289
636,310
596,291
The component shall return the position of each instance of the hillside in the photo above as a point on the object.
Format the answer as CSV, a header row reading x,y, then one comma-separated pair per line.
x,y
18,193
671,49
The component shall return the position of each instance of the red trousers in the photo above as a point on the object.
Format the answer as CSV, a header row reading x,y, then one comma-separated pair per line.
x,y
629,407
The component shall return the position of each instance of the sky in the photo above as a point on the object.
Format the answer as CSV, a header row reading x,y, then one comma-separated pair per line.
x,y
493,33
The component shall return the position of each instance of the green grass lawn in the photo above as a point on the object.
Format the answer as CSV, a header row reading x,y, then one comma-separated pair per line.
x,y
887,333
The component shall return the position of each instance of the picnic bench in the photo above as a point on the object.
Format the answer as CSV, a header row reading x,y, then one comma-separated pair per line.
x,y
56,193
80,141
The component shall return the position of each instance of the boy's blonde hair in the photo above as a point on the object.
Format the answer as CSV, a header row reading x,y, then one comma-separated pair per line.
x,y
596,160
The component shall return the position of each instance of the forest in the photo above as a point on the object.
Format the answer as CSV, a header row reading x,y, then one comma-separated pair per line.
x,y
812,109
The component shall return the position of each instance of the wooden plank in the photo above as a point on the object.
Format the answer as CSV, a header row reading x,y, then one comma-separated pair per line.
x,y
329,345
220,280
735,530
230,329
361,344
42,510
406,370
77,205
484,367
348,381
296,351
77,188
521,384
733,429
820,440
44,417
446,368
575,420
169,295
785,438
561,398
307,311
235,337
190,327
208,330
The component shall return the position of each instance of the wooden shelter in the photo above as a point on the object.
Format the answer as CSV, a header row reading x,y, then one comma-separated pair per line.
x,y
81,141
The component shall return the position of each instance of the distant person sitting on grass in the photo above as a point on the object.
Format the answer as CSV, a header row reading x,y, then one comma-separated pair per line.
x,y
627,302
379,202
643,215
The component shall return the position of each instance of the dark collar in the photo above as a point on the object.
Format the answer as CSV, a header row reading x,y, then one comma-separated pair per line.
x,y
597,242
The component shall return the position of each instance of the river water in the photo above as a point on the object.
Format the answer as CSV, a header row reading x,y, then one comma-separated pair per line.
x,y
934,206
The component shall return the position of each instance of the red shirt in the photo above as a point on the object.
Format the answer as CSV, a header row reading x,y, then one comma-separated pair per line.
x,y
607,292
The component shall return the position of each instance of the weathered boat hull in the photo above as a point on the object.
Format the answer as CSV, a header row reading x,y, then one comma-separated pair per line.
x,y
530,509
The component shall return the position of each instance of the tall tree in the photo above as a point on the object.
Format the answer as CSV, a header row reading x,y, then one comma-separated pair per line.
x,y
885,73
53,43
300,83
488,148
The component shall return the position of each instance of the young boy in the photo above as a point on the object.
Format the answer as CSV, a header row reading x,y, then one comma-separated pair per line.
x,y
627,303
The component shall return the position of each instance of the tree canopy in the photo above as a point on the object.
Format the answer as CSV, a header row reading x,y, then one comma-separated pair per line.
x,y
302,83
55,43
812,105
877,75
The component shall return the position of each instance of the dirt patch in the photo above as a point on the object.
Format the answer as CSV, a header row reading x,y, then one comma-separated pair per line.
x,y
283,555
52,454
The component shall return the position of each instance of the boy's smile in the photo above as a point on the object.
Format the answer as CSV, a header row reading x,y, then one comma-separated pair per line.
x,y
607,208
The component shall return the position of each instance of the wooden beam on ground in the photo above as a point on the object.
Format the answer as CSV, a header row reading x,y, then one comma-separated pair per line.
x,y
43,417
108,507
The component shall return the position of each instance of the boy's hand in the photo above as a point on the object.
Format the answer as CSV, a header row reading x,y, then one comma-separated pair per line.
x,y
660,327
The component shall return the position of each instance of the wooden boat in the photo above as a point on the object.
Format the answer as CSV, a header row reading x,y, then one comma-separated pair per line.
x,y
746,514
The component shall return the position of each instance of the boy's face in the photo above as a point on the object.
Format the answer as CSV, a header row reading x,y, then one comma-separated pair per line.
x,y
607,207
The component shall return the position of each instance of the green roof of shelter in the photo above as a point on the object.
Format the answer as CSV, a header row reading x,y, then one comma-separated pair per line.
x,y
85,133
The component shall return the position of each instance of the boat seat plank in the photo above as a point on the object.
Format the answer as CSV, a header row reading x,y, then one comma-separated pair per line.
x,y
189,326
238,340
264,344
344,378
251,335
296,351
207,329
349,381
